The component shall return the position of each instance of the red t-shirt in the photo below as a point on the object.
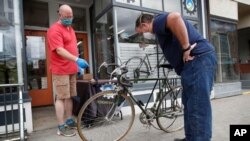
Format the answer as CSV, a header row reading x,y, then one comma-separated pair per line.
x,y
61,36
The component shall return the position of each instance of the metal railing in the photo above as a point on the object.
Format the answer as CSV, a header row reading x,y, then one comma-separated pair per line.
x,y
12,114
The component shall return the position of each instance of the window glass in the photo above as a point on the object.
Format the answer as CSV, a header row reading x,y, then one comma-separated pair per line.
x,y
126,28
152,4
8,64
224,38
100,5
104,41
172,6
79,20
36,62
132,45
132,2
33,12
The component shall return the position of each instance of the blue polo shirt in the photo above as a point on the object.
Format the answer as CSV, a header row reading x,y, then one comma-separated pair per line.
x,y
170,45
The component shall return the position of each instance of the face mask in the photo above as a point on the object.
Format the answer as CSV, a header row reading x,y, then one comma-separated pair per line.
x,y
149,36
67,22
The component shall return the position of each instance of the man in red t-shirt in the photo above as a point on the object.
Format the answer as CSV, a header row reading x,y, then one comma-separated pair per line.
x,y
64,65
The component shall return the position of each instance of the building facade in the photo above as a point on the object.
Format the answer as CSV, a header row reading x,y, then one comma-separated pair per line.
x,y
105,30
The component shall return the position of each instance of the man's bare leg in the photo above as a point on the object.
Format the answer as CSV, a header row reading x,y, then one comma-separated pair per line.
x,y
59,106
68,107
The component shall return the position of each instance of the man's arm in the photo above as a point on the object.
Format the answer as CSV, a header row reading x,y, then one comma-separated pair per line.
x,y
65,54
176,24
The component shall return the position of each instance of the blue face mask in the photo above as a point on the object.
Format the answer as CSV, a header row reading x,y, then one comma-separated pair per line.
x,y
67,21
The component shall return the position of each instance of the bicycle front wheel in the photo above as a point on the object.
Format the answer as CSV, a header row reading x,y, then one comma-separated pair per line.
x,y
107,116
170,111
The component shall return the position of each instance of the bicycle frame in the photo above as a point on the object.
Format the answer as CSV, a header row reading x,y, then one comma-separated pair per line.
x,y
162,89
146,59
113,99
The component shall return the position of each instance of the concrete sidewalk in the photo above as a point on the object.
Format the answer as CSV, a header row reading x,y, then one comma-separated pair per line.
x,y
226,111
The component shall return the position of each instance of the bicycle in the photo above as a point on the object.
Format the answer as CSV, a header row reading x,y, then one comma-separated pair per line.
x,y
140,67
167,109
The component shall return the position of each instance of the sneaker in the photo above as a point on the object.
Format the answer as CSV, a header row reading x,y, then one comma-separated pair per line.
x,y
70,123
65,131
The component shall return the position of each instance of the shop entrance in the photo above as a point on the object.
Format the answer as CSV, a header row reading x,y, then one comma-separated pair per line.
x,y
39,81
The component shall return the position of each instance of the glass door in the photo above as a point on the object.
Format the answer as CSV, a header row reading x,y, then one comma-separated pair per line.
x,y
82,44
38,75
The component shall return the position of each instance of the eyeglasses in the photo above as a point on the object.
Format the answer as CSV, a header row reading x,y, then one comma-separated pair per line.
x,y
140,19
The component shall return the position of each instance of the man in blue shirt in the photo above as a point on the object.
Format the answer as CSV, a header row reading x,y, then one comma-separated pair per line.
x,y
194,59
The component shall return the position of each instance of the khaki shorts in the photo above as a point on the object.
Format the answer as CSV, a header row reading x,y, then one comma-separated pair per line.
x,y
64,86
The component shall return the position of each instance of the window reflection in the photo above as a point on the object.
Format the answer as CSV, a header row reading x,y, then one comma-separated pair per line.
x,y
8,64
36,62
33,10
224,38
172,6
100,5
79,20
152,4
133,45
126,28
132,2
104,41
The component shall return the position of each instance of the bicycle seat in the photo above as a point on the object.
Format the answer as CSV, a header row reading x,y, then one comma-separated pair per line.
x,y
165,66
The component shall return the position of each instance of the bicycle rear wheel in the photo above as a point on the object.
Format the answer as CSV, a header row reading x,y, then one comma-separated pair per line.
x,y
170,111
137,68
104,118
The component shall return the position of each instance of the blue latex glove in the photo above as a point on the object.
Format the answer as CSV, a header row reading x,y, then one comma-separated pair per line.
x,y
82,63
80,71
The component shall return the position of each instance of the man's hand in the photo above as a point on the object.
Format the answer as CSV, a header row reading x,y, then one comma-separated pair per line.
x,y
82,63
80,71
186,54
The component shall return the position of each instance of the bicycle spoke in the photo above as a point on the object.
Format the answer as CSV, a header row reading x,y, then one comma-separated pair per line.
x,y
170,111
104,122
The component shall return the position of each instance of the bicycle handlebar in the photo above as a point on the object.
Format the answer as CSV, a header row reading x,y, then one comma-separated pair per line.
x,y
122,79
120,71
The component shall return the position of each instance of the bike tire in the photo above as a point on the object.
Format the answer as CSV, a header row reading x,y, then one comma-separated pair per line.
x,y
137,68
101,125
170,117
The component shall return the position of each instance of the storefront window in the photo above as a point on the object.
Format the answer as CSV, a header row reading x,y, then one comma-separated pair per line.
x,y
104,41
100,5
36,62
152,4
224,38
33,12
79,20
132,45
172,6
132,2
8,64
126,28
